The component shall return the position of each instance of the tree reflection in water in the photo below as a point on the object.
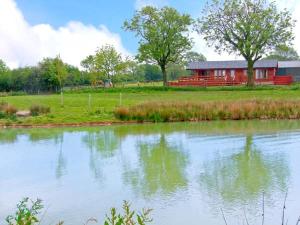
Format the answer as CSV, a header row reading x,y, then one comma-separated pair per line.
x,y
161,168
244,176
61,167
102,144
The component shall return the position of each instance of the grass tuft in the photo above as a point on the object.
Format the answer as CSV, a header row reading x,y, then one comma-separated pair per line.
x,y
36,110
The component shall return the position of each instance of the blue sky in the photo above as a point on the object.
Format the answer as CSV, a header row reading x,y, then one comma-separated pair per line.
x,y
97,12
31,30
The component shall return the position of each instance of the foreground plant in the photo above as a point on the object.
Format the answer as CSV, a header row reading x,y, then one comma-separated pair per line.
x,y
128,217
27,213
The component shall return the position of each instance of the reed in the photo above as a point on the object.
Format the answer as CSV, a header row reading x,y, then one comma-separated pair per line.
x,y
207,111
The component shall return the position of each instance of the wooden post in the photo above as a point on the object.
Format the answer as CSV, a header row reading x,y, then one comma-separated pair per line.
x,y
120,103
90,102
62,99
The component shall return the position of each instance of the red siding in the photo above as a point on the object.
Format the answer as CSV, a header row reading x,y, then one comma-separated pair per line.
x,y
208,78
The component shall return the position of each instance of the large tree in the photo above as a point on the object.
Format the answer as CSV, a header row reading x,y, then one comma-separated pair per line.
x,y
164,35
250,28
284,53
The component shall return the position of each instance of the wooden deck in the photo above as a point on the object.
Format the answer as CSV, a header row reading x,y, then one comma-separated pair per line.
x,y
206,81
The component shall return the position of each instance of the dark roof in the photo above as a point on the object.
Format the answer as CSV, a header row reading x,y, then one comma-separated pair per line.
x,y
289,64
236,64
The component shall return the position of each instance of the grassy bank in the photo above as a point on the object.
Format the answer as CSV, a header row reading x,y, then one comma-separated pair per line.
x,y
99,105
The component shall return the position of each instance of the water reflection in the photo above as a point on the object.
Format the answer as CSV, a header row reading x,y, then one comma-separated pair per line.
x,y
245,175
61,167
102,145
104,142
197,167
161,168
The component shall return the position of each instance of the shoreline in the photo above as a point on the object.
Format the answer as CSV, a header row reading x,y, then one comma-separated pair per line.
x,y
58,125
113,123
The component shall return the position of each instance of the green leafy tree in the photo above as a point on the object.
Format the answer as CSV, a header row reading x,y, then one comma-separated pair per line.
x,y
4,77
61,72
49,80
284,53
152,72
164,35
250,28
89,66
176,70
107,63
193,57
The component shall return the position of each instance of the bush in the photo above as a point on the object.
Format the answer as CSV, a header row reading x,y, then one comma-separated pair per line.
x,y
36,110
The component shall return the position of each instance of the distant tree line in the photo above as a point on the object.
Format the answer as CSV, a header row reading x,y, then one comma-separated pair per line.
x,y
107,65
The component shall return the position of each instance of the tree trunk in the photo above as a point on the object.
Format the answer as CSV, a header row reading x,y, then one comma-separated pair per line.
x,y
250,74
164,72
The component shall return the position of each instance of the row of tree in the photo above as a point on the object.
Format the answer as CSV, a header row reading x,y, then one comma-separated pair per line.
x,y
107,66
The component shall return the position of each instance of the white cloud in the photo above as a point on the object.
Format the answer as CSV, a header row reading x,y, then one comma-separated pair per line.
x,y
157,3
23,44
209,52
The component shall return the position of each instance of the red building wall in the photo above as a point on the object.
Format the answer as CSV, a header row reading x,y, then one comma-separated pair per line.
x,y
239,76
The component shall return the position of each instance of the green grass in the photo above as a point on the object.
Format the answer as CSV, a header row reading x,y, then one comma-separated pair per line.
x,y
104,102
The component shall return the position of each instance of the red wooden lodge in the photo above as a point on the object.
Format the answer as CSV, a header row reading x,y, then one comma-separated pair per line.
x,y
229,73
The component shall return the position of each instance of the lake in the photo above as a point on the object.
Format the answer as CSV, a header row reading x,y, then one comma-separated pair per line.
x,y
186,172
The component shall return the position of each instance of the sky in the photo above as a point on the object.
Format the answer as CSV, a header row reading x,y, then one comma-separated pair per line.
x,y
31,30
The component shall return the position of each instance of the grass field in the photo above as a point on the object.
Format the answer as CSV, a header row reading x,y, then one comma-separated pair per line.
x,y
103,103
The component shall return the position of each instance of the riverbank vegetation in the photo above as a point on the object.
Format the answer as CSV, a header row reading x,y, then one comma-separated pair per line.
x,y
189,111
99,105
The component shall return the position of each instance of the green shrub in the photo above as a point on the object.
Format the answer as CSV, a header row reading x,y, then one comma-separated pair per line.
x,y
2,115
36,110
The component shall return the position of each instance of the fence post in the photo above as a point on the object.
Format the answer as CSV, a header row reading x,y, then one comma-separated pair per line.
x,y
120,102
62,99
90,102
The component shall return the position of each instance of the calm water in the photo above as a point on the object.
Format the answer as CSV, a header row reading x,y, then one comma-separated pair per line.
x,y
185,172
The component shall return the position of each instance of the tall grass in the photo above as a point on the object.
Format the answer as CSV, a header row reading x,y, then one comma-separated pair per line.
x,y
206,111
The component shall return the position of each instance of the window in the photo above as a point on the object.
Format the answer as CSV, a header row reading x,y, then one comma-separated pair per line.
x,y
232,74
204,73
220,73
261,74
